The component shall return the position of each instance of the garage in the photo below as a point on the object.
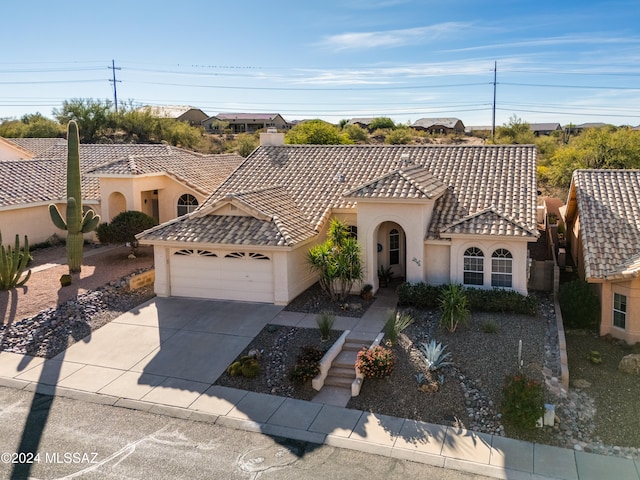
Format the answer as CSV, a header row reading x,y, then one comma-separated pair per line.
x,y
230,275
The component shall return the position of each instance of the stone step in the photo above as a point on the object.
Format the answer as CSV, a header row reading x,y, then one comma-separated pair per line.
x,y
342,372
338,381
363,338
345,359
354,347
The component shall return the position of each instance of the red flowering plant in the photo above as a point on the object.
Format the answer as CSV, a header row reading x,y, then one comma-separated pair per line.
x,y
376,362
523,401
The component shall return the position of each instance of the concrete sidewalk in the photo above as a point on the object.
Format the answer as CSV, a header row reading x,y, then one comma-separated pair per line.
x,y
164,356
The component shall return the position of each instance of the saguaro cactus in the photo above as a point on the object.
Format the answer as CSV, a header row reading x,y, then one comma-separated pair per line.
x,y
12,264
76,224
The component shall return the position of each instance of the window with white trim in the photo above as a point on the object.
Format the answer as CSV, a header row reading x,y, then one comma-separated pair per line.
x,y
394,247
502,268
619,310
187,203
473,266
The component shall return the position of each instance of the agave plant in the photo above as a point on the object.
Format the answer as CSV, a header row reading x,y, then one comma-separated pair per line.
x,y
434,355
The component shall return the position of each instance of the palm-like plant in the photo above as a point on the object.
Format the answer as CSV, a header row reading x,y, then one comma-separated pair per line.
x,y
396,323
453,307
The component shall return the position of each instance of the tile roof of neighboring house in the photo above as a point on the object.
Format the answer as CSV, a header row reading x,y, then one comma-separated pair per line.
x,y
430,122
543,127
168,111
361,120
608,202
312,179
247,116
203,173
37,145
43,179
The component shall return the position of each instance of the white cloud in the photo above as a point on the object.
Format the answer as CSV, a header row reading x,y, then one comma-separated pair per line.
x,y
390,38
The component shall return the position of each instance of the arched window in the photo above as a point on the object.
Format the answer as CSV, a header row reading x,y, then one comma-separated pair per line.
x,y
187,203
502,268
473,266
394,247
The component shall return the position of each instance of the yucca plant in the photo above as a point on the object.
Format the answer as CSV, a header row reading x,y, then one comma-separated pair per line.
x,y
453,307
434,355
13,261
396,323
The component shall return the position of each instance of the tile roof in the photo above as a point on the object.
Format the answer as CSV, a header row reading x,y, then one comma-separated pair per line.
x,y
246,116
168,111
43,178
37,145
430,122
469,180
608,202
488,222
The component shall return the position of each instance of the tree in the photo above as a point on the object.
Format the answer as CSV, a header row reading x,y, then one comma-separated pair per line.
x,y
381,122
337,261
245,143
39,126
316,132
124,227
399,136
516,131
179,134
356,133
140,126
93,117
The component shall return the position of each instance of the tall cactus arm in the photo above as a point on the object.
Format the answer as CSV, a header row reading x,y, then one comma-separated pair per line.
x,y
21,262
56,218
90,222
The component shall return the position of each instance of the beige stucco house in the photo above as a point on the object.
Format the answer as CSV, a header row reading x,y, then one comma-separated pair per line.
x,y
439,125
160,180
437,214
602,217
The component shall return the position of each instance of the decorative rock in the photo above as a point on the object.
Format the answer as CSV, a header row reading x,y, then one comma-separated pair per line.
x,y
581,383
630,364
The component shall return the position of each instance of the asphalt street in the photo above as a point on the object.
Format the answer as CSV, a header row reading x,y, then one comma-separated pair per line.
x,y
90,441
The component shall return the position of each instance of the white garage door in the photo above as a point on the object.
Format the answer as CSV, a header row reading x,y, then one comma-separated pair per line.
x,y
244,276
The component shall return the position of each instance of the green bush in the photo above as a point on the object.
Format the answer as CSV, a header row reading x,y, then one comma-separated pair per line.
x,y
246,366
376,362
325,323
523,401
421,295
124,227
579,306
454,307
307,364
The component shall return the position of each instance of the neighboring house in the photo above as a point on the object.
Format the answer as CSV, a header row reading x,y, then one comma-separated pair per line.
x,y
246,122
159,180
544,128
361,122
439,125
26,148
577,129
183,113
436,214
603,230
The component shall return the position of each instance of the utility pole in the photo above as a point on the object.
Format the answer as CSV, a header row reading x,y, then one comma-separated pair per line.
x,y
114,81
493,124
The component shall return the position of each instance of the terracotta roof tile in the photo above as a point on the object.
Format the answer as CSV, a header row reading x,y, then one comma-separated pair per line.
x,y
315,179
608,202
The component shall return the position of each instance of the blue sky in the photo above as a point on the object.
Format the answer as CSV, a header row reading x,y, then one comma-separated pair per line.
x,y
566,62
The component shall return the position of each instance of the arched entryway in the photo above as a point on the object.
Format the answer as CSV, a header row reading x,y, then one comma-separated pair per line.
x,y
391,249
117,204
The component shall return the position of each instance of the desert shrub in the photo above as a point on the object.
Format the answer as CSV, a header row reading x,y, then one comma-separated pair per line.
x,y
396,323
453,307
490,327
579,306
523,401
246,366
376,362
124,227
325,323
307,364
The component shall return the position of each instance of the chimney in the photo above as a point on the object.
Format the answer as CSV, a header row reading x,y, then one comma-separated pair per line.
x,y
272,138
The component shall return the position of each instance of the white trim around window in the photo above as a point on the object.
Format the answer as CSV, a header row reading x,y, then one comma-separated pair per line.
x,y
620,311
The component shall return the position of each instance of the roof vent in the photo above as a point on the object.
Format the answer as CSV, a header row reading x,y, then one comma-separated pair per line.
x,y
405,158
340,177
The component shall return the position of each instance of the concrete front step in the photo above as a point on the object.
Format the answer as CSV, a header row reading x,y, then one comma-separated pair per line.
x,y
345,359
342,372
353,347
339,381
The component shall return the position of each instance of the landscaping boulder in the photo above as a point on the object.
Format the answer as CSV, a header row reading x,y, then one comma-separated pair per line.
x,y
630,364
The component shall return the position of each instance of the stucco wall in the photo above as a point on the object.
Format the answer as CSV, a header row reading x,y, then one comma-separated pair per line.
x,y
137,189
35,222
631,289
437,258
518,249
